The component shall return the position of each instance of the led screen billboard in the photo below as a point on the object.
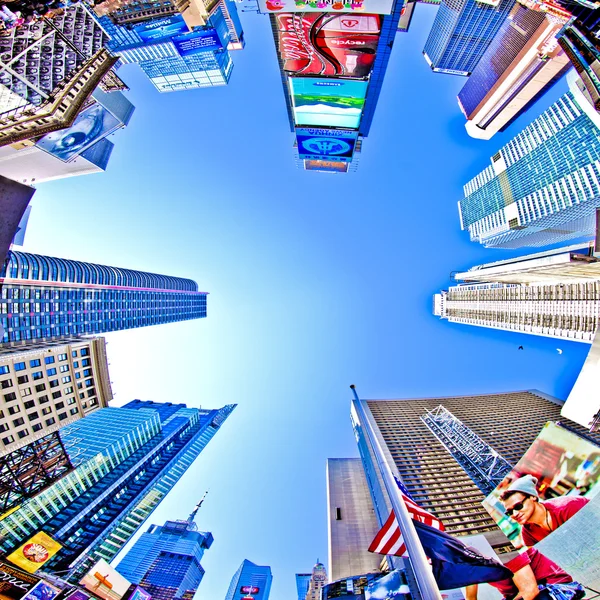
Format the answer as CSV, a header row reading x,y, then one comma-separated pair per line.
x,y
159,29
565,465
103,581
328,44
379,7
318,143
92,124
391,586
197,41
35,552
327,166
14,584
328,102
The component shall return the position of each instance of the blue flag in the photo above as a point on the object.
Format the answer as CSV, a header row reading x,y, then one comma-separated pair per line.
x,y
454,564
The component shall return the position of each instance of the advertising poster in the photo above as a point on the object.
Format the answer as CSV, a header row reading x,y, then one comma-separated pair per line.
x,y
159,29
139,593
328,44
327,166
318,143
103,581
379,7
14,584
34,553
328,102
78,595
92,124
565,465
42,591
389,587
197,41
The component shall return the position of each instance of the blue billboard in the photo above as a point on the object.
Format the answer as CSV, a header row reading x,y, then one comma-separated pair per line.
x,y
389,587
159,29
195,42
317,143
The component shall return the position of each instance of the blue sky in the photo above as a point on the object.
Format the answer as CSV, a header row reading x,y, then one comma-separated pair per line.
x,y
316,281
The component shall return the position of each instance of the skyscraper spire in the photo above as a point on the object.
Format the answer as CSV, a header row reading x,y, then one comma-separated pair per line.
x,y
195,511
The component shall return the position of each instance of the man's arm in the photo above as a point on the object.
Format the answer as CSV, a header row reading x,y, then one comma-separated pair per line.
x,y
471,592
526,583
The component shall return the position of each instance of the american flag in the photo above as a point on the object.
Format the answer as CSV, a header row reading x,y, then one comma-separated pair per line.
x,y
389,540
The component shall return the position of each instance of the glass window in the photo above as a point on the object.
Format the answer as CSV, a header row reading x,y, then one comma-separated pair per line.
x,y
37,427
9,439
42,399
4,370
49,360
19,366
6,383
51,372
35,363
54,383
62,357
10,397
40,387
37,375
50,421
22,379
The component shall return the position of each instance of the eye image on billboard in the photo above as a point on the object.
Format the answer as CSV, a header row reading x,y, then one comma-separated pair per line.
x,y
328,44
379,7
328,102
326,143
91,124
567,470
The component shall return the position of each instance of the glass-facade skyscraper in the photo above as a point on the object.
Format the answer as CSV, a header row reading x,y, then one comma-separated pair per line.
x,y
47,298
302,583
125,461
250,580
165,560
542,187
462,32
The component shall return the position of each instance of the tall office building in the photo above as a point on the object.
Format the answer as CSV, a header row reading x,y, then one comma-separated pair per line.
x,y
521,63
318,579
352,522
543,186
46,388
125,461
46,298
508,423
461,33
250,580
165,560
302,583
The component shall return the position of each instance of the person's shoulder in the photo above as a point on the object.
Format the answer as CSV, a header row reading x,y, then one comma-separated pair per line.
x,y
569,504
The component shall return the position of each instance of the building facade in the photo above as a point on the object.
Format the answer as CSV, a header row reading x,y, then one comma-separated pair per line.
x,y
46,388
521,63
318,580
302,583
352,522
47,298
165,560
543,186
125,460
462,32
250,580
432,476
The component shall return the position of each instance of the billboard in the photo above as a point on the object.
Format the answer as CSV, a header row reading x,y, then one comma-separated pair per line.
x,y
103,581
326,44
139,593
249,589
197,41
328,102
317,143
564,464
159,29
34,553
43,591
389,587
14,584
379,7
327,166
91,124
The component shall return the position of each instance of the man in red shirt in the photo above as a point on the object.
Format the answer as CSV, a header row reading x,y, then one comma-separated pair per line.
x,y
537,519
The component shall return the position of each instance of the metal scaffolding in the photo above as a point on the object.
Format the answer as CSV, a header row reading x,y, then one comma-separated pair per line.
x,y
483,464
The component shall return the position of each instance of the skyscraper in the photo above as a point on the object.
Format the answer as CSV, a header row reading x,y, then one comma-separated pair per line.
x,y
45,298
521,63
507,422
317,580
543,186
352,522
302,583
462,32
125,460
165,560
250,580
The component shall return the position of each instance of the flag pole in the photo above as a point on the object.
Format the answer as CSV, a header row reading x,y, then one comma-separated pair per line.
x,y
423,573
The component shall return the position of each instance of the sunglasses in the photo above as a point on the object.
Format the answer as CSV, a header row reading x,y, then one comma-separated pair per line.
x,y
517,507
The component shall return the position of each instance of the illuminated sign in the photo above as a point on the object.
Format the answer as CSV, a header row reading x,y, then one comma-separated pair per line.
x,y
34,553
197,41
318,143
379,7
326,44
159,29
15,584
327,166
387,587
249,589
328,102
103,581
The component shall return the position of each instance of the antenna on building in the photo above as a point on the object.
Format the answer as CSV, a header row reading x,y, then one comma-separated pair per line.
x,y
196,508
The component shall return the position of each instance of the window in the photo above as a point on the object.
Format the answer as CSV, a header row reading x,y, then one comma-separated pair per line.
x,y
20,366
42,399
9,439
26,392
50,421
51,372
67,379
75,364
57,394
68,390
40,387
89,382
53,383
49,360
47,410
81,396
59,405
18,422
74,353
64,368
29,404
37,375
71,401
85,352
73,411
10,397
35,363
4,370
85,362
62,416
6,383
13,410
37,427
22,379
62,357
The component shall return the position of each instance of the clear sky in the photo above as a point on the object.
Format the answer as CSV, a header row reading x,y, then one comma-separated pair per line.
x,y
316,281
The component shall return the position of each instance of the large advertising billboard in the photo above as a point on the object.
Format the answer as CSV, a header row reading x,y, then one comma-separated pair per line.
x,y
103,581
379,7
197,41
318,143
566,467
34,553
328,102
327,166
159,29
92,124
389,587
326,44
14,584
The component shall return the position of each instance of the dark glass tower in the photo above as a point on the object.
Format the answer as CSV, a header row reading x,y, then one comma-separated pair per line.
x,y
45,298
125,461
165,560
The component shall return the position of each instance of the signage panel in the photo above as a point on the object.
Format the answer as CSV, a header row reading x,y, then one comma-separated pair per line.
x,y
249,589
327,166
103,581
317,143
328,102
34,553
197,41
326,44
159,29
379,7
387,587
14,584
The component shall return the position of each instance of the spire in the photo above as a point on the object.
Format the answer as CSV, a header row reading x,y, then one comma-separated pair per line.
x,y
195,511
